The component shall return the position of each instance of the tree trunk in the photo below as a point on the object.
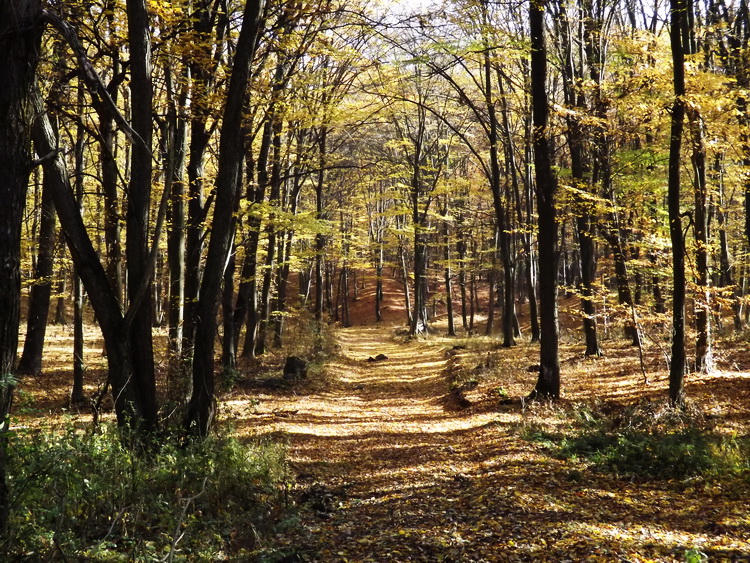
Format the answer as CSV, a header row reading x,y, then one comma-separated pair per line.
x,y
202,405
677,363
61,316
140,339
447,274
228,356
548,383
246,292
703,359
286,246
461,250
501,216
41,291
319,238
128,407
175,164
20,34
76,393
250,269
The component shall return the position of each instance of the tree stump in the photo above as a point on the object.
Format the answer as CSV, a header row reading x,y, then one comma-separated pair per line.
x,y
295,369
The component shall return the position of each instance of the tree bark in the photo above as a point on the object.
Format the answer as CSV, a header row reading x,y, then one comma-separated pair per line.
x,y
176,129
677,363
548,383
20,42
140,339
703,359
202,405
41,291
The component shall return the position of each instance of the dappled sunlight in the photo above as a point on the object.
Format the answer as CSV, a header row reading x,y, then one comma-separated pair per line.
x,y
413,476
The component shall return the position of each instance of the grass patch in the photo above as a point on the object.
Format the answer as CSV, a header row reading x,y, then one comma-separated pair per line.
x,y
646,441
80,496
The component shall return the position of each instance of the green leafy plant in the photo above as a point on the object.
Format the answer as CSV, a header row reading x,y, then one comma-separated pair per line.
x,y
89,496
647,442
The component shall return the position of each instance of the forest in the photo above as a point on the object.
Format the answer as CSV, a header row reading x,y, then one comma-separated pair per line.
x,y
315,280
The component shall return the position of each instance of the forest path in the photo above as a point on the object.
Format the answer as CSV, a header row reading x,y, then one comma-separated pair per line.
x,y
384,462
388,471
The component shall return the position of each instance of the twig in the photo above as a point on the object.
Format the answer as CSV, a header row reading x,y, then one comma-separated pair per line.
x,y
175,537
639,338
90,76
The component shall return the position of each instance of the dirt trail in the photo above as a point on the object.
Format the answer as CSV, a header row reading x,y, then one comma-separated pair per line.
x,y
388,472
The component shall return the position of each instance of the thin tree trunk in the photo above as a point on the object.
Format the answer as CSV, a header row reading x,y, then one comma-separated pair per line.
x,y
447,274
250,267
76,393
228,356
41,291
461,249
175,164
61,316
319,238
677,363
703,359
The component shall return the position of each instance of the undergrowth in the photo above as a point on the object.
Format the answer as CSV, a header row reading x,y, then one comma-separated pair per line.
x,y
649,440
81,496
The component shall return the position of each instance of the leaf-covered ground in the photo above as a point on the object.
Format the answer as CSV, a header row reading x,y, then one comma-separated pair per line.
x,y
390,467
423,457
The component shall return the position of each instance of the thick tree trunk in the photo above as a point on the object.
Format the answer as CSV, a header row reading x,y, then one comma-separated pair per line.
x,y
548,383
128,407
20,34
140,339
202,405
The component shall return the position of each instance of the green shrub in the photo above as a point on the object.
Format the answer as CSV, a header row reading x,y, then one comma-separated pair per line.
x,y
84,495
647,441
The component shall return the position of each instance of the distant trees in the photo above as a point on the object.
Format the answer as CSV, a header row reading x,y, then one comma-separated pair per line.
x,y
288,149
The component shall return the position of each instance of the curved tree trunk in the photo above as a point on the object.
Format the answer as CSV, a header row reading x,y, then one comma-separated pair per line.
x,y
202,405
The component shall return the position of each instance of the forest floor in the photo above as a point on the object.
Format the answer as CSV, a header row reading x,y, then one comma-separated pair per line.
x,y
393,466
431,454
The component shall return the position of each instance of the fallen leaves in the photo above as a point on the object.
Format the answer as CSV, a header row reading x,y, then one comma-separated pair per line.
x,y
428,483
